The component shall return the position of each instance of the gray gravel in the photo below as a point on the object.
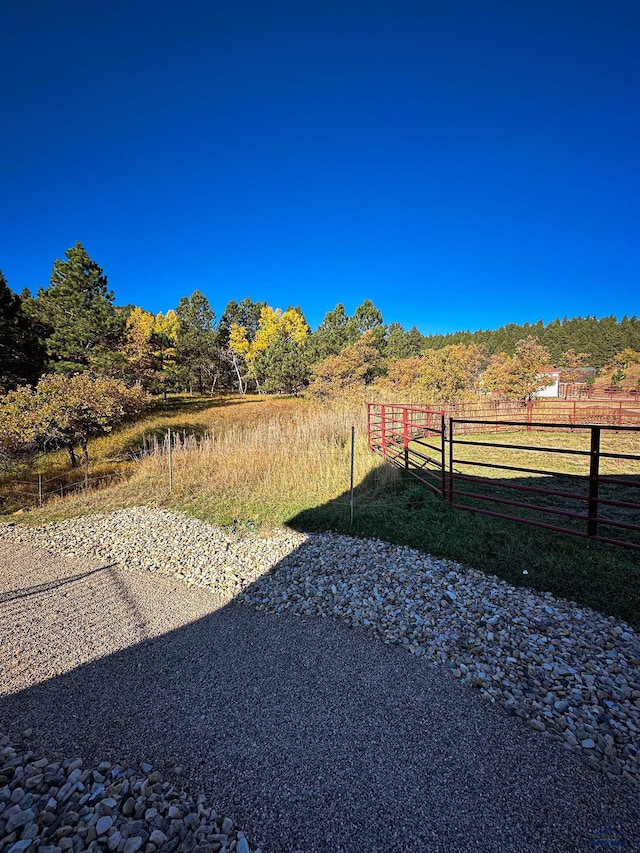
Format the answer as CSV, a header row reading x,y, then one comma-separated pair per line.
x,y
58,806
310,733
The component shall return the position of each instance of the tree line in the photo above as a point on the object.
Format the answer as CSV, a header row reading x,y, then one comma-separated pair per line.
x,y
73,327
602,339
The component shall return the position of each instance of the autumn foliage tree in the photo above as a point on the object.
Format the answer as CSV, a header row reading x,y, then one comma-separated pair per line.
x,y
452,373
348,373
519,376
63,412
626,358
246,315
138,348
150,347
280,334
404,374
572,365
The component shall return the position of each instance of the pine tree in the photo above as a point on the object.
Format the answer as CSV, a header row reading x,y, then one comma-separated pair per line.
x,y
196,344
21,353
84,327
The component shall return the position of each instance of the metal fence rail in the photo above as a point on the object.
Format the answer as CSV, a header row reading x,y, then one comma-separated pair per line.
x,y
527,478
589,504
411,438
495,413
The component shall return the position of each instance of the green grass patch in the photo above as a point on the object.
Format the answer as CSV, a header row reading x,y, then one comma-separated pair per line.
x,y
260,463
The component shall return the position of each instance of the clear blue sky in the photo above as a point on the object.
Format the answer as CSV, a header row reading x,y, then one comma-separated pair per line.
x,y
461,163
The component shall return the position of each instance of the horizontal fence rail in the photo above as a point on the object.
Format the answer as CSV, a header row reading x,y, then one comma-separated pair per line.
x,y
562,412
573,478
411,438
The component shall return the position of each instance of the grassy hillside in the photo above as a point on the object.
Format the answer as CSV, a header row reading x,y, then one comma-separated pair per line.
x,y
261,462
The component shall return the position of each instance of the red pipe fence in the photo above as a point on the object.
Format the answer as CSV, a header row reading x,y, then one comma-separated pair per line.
x,y
562,476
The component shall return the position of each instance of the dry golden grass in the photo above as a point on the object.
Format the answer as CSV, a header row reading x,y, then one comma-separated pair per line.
x,y
255,461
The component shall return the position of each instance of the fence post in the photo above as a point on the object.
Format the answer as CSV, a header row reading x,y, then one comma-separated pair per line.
x,y
594,467
443,460
383,426
529,414
450,459
39,489
170,462
405,435
353,445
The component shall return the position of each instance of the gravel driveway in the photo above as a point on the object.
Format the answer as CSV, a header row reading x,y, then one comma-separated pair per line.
x,y
313,735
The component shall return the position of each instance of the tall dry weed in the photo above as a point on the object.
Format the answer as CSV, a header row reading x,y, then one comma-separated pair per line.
x,y
294,455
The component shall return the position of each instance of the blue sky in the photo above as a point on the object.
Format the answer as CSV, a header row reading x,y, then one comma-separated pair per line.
x,y
462,164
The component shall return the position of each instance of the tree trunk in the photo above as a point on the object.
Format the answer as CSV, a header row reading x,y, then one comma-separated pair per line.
x,y
241,388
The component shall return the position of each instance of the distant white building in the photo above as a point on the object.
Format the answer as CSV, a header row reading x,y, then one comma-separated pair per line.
x,y
552,390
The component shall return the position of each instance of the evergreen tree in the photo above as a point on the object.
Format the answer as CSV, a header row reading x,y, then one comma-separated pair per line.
x,y
401,344
365,318
331,336
283,367
84,327
196,343
600,338
22,355
246,313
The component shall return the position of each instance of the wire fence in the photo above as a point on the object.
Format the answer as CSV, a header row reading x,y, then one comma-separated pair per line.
x,y
38,490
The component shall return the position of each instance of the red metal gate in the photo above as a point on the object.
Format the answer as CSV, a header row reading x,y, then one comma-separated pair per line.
x,y
590,504
411,438
586,501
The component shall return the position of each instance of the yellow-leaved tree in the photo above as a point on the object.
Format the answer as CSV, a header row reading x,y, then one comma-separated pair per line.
x,y
346,375
138,348
451,373
150,346
164,335
280,335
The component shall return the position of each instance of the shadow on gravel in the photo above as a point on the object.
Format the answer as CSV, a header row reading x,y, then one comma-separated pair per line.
x,y
313,735
38,589
597,575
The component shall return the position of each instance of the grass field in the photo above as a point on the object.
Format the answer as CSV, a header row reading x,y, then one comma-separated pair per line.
x,y
557,464
261,462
